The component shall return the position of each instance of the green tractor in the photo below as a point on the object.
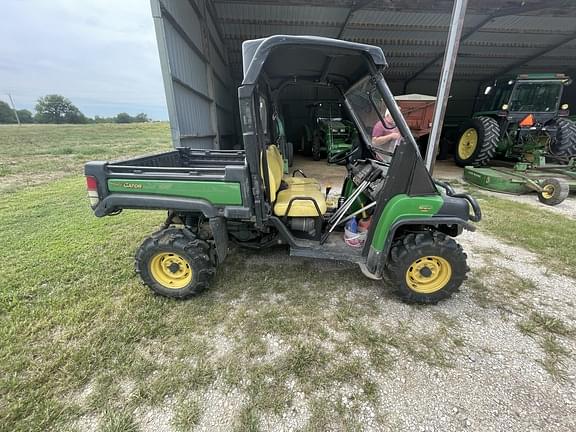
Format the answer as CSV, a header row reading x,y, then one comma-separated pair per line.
x,y
332,136
217,197
521,119
328,132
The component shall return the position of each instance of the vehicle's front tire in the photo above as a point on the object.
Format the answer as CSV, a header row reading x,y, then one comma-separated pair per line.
x,y
477,142
174,264
426,267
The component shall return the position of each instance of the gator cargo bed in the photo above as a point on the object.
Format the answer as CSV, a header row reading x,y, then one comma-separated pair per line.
x,y
217,178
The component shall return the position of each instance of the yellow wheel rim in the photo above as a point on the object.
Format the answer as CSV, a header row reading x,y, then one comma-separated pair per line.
x,y
548,191
428,274
467,144
170,270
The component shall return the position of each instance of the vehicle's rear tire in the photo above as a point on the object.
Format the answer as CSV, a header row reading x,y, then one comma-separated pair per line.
x,y
426,267
477,142
174,264
565,142
554,191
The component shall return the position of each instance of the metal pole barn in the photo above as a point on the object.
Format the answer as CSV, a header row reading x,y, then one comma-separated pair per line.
x,y
450,54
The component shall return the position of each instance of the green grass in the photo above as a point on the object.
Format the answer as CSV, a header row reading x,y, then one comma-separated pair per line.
x,y
550,235
32,154
548,332
81,338
74,316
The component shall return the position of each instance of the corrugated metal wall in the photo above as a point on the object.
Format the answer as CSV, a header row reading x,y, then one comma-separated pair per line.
x,y
200,92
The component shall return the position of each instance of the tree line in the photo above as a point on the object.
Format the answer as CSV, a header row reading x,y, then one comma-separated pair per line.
x,y
57,109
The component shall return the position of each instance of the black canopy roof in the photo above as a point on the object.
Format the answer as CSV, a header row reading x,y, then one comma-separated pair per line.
x,y
309,58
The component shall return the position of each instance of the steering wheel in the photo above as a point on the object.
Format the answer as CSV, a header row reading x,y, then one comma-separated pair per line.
x,y
342,156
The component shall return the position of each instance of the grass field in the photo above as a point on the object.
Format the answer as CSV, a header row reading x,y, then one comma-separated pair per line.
x,y
276,344
33,154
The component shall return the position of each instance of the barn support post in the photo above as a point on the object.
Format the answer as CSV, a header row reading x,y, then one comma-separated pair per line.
x,y
452,45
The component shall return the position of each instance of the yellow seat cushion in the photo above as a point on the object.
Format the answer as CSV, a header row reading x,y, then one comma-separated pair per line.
x,y
299,181
275,171
300,208
276,162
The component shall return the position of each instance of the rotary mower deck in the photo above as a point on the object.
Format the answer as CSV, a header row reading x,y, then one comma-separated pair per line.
x,y
551,182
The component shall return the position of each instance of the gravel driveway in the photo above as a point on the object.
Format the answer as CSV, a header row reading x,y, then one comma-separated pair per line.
x,y
498,356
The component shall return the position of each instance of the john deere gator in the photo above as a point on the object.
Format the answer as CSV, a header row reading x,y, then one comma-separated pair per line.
x,y
216,197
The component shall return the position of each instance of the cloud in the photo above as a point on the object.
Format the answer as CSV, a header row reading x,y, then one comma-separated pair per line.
x,y
101,54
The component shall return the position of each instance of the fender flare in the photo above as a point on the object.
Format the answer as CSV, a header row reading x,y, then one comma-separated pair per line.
x,y
376,260
113,203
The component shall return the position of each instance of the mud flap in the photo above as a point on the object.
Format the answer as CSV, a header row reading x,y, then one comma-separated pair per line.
x,y
220,233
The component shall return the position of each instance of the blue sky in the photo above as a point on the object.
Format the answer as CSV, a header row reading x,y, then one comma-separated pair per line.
x,y
101,54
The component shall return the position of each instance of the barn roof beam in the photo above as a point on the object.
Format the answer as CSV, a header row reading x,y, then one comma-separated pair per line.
x,y
356,6
535,56
496,14
384,27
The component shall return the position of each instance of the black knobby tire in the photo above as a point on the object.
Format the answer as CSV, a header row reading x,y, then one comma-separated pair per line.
x,y
554,191
411,248
565,142
488,132
316,148
290,155
182,244
306,141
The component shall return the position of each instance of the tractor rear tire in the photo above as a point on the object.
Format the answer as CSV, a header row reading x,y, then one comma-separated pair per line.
x,y
477,142
554,191
174,264
426,267
565,143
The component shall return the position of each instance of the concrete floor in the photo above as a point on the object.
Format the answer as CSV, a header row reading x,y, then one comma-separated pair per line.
x,y
334,175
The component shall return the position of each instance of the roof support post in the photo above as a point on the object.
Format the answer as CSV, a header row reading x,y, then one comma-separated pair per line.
x,y
452,45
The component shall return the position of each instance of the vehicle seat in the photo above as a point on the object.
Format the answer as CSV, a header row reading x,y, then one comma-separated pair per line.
x,y
308,196
274,152
302,203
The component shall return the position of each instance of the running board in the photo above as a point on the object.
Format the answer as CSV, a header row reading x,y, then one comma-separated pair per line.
x,y
333,249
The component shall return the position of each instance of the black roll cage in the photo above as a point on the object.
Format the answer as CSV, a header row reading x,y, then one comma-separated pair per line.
x,y
254,145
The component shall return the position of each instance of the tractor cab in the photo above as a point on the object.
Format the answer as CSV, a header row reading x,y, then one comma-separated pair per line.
x,y
539,95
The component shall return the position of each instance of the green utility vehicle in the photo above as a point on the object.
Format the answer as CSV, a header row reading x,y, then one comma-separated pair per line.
x,y
214,198
519,119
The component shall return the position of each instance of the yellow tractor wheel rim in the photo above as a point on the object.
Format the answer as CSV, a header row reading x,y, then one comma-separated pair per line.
x,y
467,144
428,274
548,191
170,270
